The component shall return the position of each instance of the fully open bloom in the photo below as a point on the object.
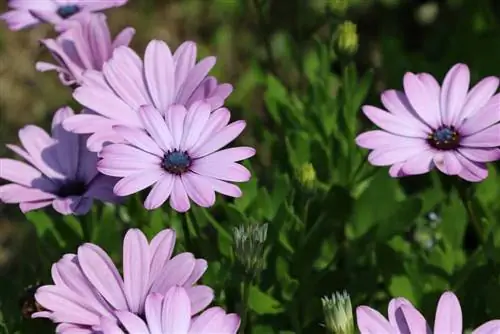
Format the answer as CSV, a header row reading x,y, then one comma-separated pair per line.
x,y
86,45
172,314
27,13
404,318
180,154
429,126
60,171
127,83
87,285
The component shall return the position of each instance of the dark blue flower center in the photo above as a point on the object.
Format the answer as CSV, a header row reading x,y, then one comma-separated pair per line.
x,y
444,138
176,162
72,188
67,11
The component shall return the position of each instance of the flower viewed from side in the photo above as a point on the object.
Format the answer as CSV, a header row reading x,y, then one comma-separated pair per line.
x,y
127,83
87,285
86,45
427,126
404,318
180,153
172,314
27,13
59,171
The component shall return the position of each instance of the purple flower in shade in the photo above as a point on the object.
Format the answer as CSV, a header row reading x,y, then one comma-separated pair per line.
x,y
180,156
429,126
127,83
88,287
27,13
172,314
86,45
60,171
404,318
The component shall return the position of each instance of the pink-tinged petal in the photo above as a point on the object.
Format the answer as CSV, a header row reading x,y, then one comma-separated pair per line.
x,y
124,74
194,79
391,155
219,139
179,200
95,6
102,273
472,171
229,155
135,269
176,311
68,147
231,324
66,55
415,321
371,321
478,96
98,140
447,162
394,124
124,37
200,296
101,188
454,93
420,163
140,139
42,66
106,104
127,152
99,39
199,189
225,188
184,60
18,172
487,116
396,170
196,119
161,249
396,316
109,326
31,206
431,84
19,19
153,309
490,327
159,71
210,321
448,314
157,128
489,137
199,269
95,79
85,123
65,328
480,154
218,120
423,99
378,139
138,181
67,304
175,272
160,192
15,193
175,117
124,166
72,205
132,323
227,171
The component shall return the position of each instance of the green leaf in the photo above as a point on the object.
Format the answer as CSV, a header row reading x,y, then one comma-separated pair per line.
x,y
262,303
401,286
453,221
45,227
108,232
405,215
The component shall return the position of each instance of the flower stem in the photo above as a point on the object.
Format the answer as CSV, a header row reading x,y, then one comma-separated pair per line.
x,y
246,296
464,193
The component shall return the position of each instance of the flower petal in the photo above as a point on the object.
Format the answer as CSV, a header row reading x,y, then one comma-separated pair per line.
x,y
161,249
371,321
179,199
219,139
394,124
423,99
199,189
160,192
138,181
136,269
478,96
454,93
132,323
153,309
139,139
200,296
176,311
176,272
447,162
489,137
490,327
448,314
157,128
159,71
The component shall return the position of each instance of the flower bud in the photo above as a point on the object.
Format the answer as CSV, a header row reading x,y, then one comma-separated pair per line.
x,y
306,175
347,39
338,313
338,7
249,247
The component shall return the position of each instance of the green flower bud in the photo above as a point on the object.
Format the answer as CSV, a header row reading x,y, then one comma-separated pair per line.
x,y
338,7
347,39
338,313
249,247
306,175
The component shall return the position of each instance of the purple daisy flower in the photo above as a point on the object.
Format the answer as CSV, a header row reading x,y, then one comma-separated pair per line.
x,y
87,45
180,156
172,314
127,83
61,171
429,126
87,285
404,318
27,13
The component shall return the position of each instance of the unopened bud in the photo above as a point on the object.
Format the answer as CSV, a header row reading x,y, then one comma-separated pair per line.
x,y
338,313
306,176
338,7
347,39
249,247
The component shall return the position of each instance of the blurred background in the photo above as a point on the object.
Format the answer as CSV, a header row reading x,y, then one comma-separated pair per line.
x,y
252,38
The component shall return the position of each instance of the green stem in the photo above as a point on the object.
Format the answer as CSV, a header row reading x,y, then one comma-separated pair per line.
x,y
246,296
467,202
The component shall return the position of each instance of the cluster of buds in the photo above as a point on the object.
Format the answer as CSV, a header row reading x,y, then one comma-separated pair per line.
x,y
249,247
